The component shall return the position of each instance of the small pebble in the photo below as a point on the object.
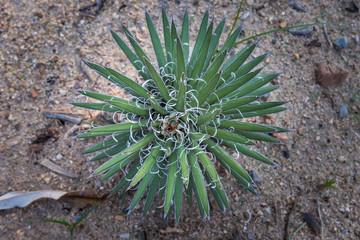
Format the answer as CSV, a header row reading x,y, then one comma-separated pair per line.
x,y
282,25
296,56
255,177
300,131
357,39
341,42
59,156
273,41
343,111
125,235
62,92
245,16
286,154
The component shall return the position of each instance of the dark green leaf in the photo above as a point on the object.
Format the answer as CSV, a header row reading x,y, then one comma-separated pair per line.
x,y
155,41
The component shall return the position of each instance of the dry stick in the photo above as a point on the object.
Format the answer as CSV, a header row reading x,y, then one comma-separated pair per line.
x,y
326,35
288,222
321,222
296,6
83,71
62,117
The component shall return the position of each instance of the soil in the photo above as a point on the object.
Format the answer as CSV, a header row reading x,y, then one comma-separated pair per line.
x,y
41,46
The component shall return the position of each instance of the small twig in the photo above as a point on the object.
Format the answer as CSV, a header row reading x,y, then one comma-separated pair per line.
x,y
304,32
296,6
83,71
87,15
70,131
63,117
321,222
288,221
326,35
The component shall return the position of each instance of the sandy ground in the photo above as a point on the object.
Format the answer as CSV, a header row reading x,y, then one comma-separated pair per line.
x,y
40,46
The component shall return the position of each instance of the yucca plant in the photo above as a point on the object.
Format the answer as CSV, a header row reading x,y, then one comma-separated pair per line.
x,y
171,131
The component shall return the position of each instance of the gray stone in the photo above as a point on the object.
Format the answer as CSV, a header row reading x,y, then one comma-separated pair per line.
x,y
255,177
343,111
245,16
341,42
125,235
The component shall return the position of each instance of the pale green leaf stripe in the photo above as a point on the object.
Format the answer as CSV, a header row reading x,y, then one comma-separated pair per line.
x,y
254,84
214,42
93,134
258,136
198,136
130,83
223,197
199,63
227,161
245,126
158,80
199,41
117,167
178,196
248,152
251,65
162,186
143,186
97,106
182,156
135,61
199,185
207,164
138,50
167,37
124,181
224,156
214,68
152,193
189,190
141,143
185,35
197,196
257,113
119,158
254,107
146,165
174,37
261,91
111,152
180,60
155,41
208,116
155,184
214,191
154,103
120,127
108,143
229,44
222,134
131,108
226,90
102,97
117,78
207,90
241,55
180,104
235,103
170,183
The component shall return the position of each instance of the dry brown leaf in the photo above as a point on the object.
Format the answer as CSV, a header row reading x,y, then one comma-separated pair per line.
x,y
52,166
22,199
